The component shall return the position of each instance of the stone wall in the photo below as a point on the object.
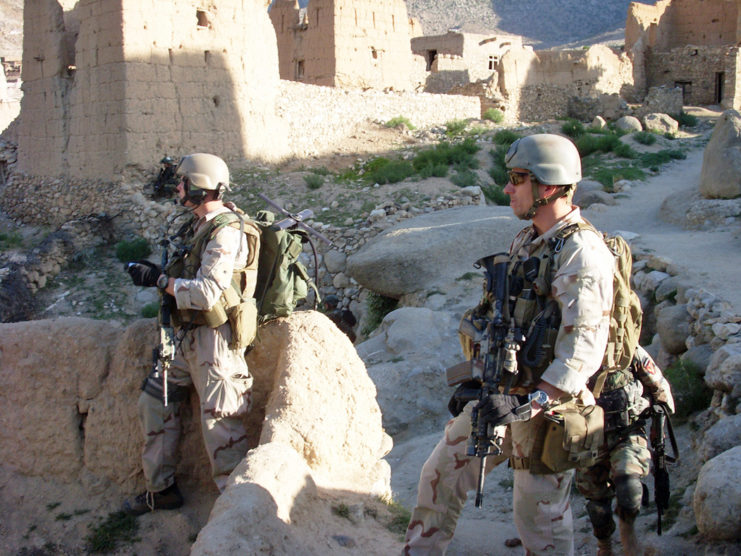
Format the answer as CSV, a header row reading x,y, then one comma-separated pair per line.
x,y
695,69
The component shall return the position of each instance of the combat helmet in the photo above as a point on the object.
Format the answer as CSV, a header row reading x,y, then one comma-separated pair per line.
x,y
203,172
551,160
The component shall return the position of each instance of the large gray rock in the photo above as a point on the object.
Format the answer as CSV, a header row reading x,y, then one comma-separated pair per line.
x,y
721,163
717,498
722,436
629,123
724,370
661,123
673,327
431,249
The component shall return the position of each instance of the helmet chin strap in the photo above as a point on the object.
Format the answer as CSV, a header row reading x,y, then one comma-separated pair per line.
x,y
542,201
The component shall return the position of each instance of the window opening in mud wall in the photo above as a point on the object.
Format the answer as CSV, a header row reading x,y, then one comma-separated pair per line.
x,y
720,78
431,55
686,87
493,61
202,19
299,69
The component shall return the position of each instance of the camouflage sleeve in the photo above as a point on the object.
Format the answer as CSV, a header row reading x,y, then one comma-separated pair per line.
x,y
653,380
215,274
582,286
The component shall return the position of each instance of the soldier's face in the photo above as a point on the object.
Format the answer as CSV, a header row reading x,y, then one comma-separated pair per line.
x,y
520,193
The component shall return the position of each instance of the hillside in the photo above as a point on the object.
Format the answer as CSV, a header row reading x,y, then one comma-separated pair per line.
x,y
558,22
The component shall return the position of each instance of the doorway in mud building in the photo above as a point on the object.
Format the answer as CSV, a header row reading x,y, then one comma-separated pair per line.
x,y
431,55
299,69
686,87
720,78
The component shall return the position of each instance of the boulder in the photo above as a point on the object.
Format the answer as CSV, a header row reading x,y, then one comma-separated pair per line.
x,y
598,123
722,436
717,498
629,123
721,163
673,327
724,370
407,257
660,123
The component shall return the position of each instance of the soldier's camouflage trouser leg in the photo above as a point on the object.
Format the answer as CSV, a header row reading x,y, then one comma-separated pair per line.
x,y
541,503
447,477
223,384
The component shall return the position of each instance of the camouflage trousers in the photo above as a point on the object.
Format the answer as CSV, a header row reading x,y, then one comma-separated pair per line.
x,y
541,507
223,384
621,455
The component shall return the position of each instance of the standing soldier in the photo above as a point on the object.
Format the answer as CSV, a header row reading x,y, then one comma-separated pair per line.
x,y
625,459
214,271
562,287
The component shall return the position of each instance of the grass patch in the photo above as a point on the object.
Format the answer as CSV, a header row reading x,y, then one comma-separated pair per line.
x,y
378,306
465,178
623,150
391,171
313,181
493,115
342,510
455,128
461,155
133,250
10,240
690,392
608,176
468,276
505,137
590,143
118,527
573,128
320,171
495,194
685,120
399,121
654,160
400,517
645,137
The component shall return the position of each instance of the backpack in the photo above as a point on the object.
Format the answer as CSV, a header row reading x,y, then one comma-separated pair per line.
x,y
282,280
626,312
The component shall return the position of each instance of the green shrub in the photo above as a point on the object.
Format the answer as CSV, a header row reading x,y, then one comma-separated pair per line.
x,y
624,151
454,128
400,517
588,143
573,128
377,306
498,171
447,154
505,137
685,120
690,392
133,250
495,194
150,310
436,170
654,160
10,240
607,176
313,181
645,137
320,171
493,115
465,178
399,121
393,171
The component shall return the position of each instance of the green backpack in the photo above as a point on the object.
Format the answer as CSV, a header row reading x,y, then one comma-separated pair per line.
x,y
282,280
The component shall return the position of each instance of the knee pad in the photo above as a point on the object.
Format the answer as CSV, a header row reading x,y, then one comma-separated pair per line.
x,y
600,514
629,491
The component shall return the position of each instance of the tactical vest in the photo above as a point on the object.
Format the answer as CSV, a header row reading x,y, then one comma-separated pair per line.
x,y
187,261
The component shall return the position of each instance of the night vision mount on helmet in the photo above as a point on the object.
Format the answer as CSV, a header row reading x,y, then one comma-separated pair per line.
x,y
201,173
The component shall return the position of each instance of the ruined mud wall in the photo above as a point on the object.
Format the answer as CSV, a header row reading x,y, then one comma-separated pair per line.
x,y
111,85
537,85
342,43
673,23
696,69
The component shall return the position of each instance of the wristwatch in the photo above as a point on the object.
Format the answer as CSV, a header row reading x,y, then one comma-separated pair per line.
x,y
163,281
539,397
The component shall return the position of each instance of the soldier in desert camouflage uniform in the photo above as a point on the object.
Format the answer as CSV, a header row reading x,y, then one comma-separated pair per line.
x,y
217,256
578,291
625,458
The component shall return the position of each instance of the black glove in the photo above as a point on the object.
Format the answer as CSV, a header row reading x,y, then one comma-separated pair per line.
x,y
144,273
500,409
465,393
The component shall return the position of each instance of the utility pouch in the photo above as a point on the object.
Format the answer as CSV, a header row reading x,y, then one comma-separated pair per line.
x,y
243,321
574,435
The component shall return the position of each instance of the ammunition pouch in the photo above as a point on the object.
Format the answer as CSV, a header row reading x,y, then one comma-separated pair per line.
x,y
243,321
615,405
574,434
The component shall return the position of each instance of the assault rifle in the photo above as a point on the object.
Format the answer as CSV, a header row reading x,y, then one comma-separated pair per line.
x,y
498,348
164,353
660,419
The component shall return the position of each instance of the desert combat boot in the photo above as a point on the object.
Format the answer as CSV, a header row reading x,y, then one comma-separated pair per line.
x,y
168,499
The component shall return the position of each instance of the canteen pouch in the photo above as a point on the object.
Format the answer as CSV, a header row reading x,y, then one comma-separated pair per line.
x,y
573,437
243,321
